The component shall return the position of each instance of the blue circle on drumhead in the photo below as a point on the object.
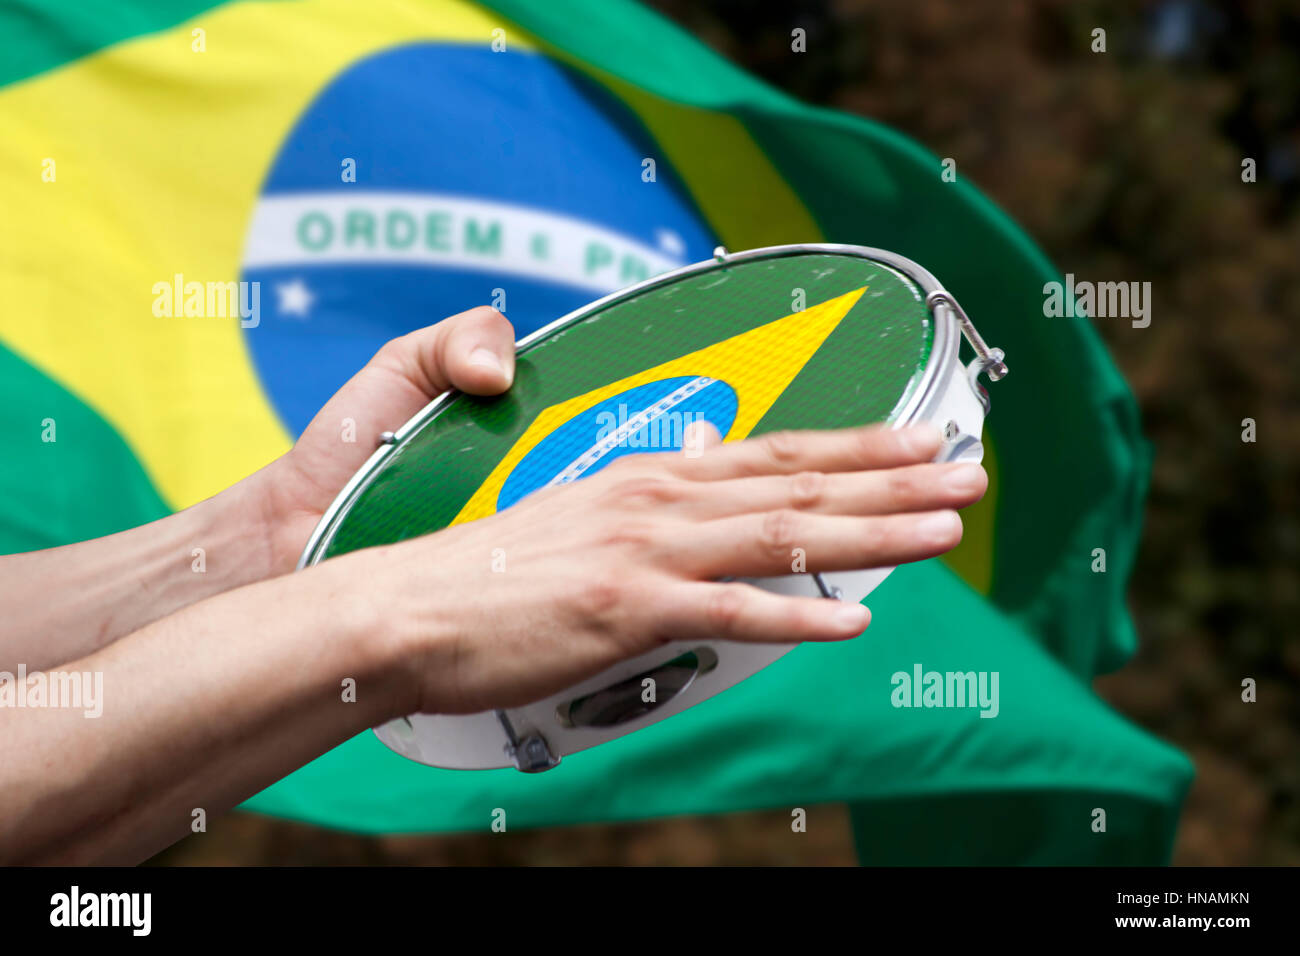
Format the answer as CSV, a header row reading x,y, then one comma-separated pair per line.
x,y
647,418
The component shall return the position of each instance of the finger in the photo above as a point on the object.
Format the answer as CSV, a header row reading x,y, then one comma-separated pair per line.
x,y
785,453
776,542
925,487
698,437
741,612
397,382
478,352
473,351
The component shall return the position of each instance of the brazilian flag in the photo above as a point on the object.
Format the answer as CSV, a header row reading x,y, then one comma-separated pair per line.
x,y
373,166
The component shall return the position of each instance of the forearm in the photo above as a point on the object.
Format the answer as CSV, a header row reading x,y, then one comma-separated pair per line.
x,y
64,603
200,710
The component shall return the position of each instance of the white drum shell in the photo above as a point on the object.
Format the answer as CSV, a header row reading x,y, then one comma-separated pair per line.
x,y
478,741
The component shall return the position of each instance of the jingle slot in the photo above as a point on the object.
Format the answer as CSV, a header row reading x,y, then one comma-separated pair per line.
x,y
621,702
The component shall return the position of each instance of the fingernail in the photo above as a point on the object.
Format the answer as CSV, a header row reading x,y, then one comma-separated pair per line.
x,y
486,358
852,617
920,439
964,479
939,527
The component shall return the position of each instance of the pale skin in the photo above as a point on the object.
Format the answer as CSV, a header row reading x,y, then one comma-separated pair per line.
x,y
218,684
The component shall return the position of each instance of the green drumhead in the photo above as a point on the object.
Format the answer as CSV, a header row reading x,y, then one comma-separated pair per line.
x,y
796,341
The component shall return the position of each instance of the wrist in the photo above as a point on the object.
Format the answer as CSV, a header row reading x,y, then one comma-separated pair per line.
x,y
272,518
112,586
233,528
376,634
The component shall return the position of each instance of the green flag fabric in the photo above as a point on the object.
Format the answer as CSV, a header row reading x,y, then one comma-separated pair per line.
x,y
559,151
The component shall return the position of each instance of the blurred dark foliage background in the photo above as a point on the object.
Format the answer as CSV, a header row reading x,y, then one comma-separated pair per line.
x,y
1124,166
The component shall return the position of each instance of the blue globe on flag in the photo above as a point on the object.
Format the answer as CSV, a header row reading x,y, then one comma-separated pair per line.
x,y
393,204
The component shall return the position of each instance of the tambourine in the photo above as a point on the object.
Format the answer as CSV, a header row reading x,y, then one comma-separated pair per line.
x,y
786,337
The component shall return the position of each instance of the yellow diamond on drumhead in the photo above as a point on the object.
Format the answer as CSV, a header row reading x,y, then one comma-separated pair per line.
x,y
758,365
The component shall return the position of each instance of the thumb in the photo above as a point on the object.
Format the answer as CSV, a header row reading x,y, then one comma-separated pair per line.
x,y
476,352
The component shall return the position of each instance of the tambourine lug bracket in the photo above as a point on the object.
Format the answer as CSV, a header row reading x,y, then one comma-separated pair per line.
x,y
973,371
989,360
959,447
531,753
827,590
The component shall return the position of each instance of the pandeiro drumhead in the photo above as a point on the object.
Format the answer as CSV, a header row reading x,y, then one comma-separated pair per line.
x,y
791,337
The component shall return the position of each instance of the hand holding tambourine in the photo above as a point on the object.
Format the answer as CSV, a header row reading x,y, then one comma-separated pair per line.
x,y
809,339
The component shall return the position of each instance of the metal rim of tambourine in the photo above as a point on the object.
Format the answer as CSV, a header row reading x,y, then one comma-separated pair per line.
x,y
939,397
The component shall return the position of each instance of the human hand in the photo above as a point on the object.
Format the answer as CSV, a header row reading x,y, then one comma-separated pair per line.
x,y
473,351
618,563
